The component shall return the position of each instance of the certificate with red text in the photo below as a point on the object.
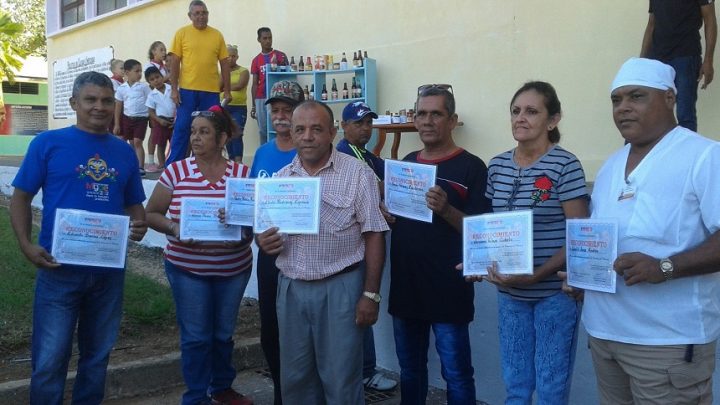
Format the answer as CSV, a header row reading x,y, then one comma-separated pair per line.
x,y
291,204
89,238
590,251
505,238
406,184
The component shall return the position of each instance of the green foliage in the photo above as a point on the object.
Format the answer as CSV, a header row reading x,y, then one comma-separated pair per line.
x,y
31,14
11,55
147,302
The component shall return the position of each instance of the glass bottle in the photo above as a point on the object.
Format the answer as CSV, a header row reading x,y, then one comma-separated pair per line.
x,y
301,65
308,65
360,58
334,94
343,62
312,92
354,88
306,92
355,59
324,95
273,63
345,95
359,90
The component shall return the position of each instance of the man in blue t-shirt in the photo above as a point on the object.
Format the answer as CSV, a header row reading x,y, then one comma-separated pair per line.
x,y
357,130
269,159
82,167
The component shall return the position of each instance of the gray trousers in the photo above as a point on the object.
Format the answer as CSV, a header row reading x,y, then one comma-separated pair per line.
x,y
320,345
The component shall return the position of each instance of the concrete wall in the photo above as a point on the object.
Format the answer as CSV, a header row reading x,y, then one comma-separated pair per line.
x,y
485,49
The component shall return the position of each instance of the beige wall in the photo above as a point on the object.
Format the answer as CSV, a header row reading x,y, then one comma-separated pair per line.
x,y
485,48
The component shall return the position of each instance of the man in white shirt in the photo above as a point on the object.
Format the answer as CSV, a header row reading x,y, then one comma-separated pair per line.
x,y
653,341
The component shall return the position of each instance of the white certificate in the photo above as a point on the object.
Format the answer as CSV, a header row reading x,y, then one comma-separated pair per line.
x,y
90,238
504,237
406,184
591,250
199,220
239,201
289,203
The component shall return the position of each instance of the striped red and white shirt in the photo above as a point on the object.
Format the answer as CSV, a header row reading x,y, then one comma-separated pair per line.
x,y
184,179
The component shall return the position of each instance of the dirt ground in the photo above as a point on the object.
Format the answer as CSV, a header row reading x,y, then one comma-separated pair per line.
x,y
135,342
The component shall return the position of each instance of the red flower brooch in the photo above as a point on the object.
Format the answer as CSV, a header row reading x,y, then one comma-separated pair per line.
x,y
542,190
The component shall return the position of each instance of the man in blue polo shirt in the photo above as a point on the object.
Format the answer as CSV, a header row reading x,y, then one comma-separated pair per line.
x,y
357,129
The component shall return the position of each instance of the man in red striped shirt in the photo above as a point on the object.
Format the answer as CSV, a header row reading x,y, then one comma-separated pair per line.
x,y
324,299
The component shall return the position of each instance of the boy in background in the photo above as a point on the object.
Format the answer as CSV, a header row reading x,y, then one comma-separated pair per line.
x,y
117,70
131,114
161,109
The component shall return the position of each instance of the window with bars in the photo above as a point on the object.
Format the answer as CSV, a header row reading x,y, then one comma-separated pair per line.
x,y
21,88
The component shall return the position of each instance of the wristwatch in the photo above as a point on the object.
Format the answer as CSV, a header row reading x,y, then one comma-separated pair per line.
x,y
666,265
373,296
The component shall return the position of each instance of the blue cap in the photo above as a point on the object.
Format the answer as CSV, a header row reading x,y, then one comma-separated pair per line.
x,y
357,111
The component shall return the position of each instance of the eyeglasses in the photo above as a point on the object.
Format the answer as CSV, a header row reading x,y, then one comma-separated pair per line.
x,y
425,87
509,205
207,114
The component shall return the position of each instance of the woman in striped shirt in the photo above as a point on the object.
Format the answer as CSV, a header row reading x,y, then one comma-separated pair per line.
x,y
208,279
537,323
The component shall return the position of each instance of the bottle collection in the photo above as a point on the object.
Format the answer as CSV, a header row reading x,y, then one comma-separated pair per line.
x,y
321,62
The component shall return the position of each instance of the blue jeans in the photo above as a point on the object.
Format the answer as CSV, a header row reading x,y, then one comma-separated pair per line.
x,y
687,70
191,100
64,300
261,115
207,309
235,146
452,342
537,347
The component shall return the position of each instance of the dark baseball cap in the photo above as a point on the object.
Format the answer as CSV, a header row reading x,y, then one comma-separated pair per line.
x,y
356,111
287,91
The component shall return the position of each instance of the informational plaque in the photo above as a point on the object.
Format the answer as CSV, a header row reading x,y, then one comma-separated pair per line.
x,y
504,237
240,201
199,220
406,184
89,238
290,203
591,250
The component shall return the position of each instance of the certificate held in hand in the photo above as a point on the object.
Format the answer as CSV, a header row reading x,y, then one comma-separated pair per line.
x,y
89,238
199,220
590,251
406,184
504,237
291,204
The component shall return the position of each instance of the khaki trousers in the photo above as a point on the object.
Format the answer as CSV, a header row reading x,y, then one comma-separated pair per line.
x,y
640,374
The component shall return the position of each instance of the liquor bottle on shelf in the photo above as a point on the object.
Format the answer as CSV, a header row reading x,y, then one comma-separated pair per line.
x,y
308,65
359,90
354,88
306,92
365,55
312,92
345,91
334,90
293,65
355,59
317,63
343,62
324,95
360,58
301,65
273,63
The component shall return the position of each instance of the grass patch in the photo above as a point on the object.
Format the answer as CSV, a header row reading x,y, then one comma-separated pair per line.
x,y
146,301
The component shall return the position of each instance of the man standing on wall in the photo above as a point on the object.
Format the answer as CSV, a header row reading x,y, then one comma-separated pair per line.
x,y
257,69
194,54
672,36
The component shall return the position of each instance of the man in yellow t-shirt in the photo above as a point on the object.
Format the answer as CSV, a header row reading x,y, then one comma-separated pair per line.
x,y
194,53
